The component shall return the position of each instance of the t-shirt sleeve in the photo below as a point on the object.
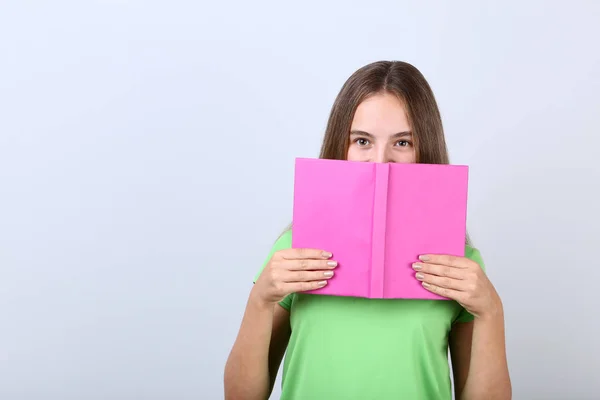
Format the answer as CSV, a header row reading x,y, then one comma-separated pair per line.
x,y
283,242
472,254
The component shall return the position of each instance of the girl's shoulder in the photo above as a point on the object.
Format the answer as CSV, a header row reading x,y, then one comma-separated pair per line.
x,y
474,254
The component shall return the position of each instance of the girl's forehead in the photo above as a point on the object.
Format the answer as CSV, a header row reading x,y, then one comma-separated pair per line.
x,y
382,114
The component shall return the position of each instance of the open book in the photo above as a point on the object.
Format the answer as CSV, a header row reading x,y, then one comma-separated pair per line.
x,y
376,219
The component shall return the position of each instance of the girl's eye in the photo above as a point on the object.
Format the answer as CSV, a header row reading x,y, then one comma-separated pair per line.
x,y
403,143
362,142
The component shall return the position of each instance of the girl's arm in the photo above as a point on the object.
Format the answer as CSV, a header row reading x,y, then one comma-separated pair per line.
x,y
479,359
254,360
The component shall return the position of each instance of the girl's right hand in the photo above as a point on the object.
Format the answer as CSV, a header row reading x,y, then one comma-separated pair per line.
x,y
293,270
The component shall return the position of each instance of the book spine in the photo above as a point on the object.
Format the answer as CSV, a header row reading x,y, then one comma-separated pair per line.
x,y
382,172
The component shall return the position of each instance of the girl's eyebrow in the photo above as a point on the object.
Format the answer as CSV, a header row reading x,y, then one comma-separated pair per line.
x,y
362,133
369,135
402,134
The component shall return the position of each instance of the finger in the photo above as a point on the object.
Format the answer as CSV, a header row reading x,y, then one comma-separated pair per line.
x,y
444,259
439,270
306,276
444,292
443,282
307,264
304,254
304,286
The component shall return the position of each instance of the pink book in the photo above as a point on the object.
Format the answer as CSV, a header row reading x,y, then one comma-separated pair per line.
x,y
376,219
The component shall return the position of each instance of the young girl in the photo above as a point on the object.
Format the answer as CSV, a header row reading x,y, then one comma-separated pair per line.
x,y
356,348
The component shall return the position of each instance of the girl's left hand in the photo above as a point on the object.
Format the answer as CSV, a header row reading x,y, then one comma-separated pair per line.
x,y
459,279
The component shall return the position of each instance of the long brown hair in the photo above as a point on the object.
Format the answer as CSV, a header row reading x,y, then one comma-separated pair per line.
x,y
410,86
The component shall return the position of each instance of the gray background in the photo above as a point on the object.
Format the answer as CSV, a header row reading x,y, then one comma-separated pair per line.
x,y
146,163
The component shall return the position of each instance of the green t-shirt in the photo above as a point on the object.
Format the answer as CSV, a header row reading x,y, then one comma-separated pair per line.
x,y
355,348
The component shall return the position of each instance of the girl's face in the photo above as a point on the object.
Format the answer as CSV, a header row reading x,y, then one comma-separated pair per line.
x,y
380,132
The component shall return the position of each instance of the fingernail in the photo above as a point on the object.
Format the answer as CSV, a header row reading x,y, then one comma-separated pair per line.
x,y
423,258
420,276
417,267
332,263
327,254
322,283
328,274
425,284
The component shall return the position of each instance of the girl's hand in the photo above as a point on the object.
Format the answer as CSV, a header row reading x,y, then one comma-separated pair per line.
x,y
293,270
459,279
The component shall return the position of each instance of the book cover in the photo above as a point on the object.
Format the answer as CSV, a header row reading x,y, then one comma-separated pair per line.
x,y
376,219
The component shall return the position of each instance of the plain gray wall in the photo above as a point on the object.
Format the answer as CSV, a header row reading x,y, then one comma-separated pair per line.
x,y
146,164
